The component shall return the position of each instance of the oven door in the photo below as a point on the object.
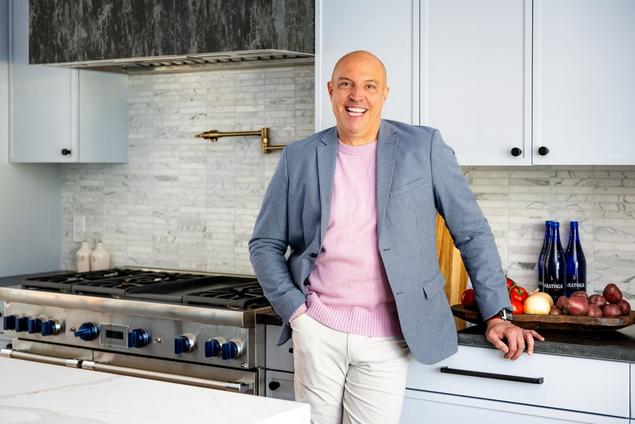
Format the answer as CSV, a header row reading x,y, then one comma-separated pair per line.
x,y
235,380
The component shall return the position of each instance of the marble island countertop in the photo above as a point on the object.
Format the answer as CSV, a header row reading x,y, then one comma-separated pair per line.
x,y
37,393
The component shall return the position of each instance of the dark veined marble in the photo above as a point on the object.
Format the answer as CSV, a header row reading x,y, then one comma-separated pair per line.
x,y
605,345
79,30
222,25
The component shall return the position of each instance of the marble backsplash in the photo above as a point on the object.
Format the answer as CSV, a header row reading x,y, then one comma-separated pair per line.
x,y
184,203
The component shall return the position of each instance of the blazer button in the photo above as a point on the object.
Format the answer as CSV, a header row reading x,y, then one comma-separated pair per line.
x,y
313,255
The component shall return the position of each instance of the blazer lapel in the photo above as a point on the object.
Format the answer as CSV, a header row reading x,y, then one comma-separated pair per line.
x,y
386,147
326,157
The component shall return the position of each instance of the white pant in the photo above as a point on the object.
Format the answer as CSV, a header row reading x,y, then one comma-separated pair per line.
x,y
348,378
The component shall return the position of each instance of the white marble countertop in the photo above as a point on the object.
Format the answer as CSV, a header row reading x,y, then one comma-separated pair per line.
x,y
37,393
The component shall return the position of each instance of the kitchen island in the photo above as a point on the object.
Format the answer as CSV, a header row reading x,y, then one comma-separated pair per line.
x,y
42,393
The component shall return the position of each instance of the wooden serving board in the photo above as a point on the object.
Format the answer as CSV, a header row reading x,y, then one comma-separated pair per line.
x,y
553,322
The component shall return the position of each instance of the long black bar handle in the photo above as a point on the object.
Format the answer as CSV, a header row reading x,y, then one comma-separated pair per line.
x,y
519,379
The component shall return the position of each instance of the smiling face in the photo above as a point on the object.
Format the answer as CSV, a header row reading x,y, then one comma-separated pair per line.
x,y
358,90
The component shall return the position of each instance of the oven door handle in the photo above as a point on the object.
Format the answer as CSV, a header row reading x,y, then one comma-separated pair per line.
x,y
172,378
9,353
131,372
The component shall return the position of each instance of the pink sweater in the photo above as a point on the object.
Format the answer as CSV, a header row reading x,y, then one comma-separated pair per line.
x,y
349,290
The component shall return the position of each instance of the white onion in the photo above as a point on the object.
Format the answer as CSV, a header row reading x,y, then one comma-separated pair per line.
x,y
537,304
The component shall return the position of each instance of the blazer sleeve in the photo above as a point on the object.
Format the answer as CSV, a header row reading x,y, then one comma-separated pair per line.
x,y
472,234
269,244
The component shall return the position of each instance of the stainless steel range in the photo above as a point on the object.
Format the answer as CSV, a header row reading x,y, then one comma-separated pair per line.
x,y
191,328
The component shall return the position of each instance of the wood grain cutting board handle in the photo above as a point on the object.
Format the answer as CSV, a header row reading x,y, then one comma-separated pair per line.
x,y
451,266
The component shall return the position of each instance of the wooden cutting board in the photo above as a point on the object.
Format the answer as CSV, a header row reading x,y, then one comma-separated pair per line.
x,y
553,322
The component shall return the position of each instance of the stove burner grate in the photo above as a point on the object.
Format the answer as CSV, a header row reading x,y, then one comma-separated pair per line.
x,y
241,297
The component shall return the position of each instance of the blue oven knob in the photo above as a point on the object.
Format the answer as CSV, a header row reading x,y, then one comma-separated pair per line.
x,y
138,338
8,322
51,328
183,344
231,350
213,347
22,324
87,332
34,325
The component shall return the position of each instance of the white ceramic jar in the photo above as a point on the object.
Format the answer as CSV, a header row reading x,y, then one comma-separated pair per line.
x,y
82,258
99,258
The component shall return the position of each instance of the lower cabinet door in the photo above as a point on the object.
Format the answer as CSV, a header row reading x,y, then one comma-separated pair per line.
x,y
279,385
424,407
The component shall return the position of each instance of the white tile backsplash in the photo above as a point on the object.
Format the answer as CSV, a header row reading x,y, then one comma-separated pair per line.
x,y
181,202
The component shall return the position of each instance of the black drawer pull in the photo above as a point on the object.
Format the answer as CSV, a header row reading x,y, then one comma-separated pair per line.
x,y
291,350
531,380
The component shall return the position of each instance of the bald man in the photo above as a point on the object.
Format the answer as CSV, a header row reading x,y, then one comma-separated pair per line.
x,y
361,289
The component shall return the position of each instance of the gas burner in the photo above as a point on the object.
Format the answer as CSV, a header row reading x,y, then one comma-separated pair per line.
x,y
112,282
63,282
243,297
118,285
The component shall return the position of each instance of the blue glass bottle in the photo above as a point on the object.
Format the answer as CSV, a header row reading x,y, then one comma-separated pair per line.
x,y
575,262
554,272
543,252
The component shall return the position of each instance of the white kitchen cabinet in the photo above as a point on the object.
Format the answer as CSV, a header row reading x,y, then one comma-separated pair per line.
x,y
425,407
388,30
561,389
476,78
62,115
584,81
507,82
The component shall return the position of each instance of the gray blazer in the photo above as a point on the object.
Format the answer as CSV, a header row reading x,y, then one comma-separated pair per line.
x,y
417,175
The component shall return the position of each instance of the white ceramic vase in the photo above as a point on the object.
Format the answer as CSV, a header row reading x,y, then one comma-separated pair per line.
x,y
99,258
82,258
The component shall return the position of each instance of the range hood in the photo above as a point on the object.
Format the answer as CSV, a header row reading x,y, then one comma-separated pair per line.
x,y
196,62
170,35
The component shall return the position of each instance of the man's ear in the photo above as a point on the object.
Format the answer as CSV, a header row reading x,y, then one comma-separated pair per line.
x,y
386,93
329,88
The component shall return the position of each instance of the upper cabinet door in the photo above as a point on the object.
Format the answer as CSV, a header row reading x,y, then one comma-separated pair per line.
x,y
387,29
476,78
584,82
43,124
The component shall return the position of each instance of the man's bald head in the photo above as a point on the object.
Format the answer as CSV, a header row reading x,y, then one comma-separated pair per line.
x,y
360,55
358,91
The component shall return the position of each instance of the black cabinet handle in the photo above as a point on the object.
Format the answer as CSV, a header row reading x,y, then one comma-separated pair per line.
x,y
543,150
274,385
66,152
291,350
516,152
519,379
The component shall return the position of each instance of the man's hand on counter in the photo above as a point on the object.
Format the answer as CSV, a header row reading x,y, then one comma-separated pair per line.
x,y
500,331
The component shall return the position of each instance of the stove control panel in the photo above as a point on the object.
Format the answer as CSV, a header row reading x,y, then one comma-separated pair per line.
x,y
211,344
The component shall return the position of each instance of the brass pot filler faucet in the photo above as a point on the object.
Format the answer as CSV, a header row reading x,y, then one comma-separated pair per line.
x,y
265,147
